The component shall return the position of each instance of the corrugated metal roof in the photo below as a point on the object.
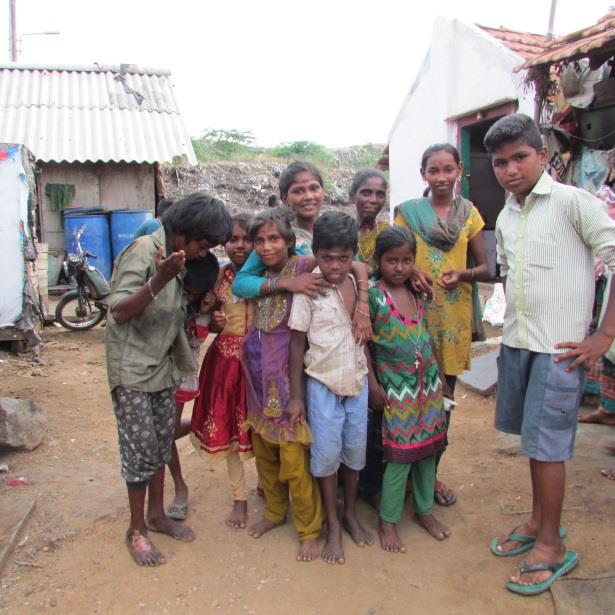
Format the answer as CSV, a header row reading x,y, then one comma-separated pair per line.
x,y
525,44
579,44
65,113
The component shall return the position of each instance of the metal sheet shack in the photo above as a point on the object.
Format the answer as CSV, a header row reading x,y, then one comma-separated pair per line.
x,y
574,81
98,134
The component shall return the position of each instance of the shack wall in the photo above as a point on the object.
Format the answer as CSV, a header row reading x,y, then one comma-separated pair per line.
x,y
112,185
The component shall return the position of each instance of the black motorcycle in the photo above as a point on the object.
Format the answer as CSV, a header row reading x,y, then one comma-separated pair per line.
x,y
85,306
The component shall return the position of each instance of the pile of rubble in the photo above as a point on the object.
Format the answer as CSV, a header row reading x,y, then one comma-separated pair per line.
x,y
247,186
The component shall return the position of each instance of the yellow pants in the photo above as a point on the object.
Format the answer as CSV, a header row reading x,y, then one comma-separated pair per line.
x,y
285,469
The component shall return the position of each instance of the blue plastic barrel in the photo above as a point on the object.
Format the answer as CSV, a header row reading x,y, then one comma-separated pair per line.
x,y
124,223
95,238
88,209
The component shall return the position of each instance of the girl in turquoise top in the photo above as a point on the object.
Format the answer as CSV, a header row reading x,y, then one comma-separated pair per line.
x,y
302,189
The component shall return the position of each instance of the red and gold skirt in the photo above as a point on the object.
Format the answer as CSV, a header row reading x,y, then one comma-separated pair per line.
x,y
219,415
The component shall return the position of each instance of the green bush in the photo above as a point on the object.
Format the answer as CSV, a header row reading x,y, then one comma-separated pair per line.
x,y
222,144
305,150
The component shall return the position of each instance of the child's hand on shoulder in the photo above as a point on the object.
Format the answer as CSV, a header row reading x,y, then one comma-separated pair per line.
x,y
295,411
310,284
378,400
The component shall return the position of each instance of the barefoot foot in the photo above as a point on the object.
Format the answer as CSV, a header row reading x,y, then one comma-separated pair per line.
x,y
171,528
308,551
357,532
143,552
332,552
438,530
609,473
389,539
262,527
600,416
239,515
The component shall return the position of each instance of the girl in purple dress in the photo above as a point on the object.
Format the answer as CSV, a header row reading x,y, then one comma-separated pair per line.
x,y
280,442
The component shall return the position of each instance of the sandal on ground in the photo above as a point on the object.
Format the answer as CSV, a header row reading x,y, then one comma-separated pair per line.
x,y
609,473
558,569
443,495
527,542
178,511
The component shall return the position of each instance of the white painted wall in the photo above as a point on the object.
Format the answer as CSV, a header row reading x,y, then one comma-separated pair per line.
x,y
464,70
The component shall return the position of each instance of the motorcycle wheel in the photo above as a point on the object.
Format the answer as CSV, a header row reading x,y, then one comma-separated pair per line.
x,y
70,315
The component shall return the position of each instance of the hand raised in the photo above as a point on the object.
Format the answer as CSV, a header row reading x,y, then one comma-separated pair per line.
x,y
170,266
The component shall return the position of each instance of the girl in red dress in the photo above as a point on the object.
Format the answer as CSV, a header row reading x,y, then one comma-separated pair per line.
x,y
218,427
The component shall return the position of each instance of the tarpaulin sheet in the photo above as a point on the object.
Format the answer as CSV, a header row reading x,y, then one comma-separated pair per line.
x,y
13,224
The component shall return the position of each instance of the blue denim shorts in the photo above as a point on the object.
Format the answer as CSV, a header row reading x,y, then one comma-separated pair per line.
x,y
539,400
339,429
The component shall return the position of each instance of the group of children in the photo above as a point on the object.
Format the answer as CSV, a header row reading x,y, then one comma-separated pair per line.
x,y
323,322
290,375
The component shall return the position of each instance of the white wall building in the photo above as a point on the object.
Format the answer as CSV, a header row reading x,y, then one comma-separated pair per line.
x,y
465,83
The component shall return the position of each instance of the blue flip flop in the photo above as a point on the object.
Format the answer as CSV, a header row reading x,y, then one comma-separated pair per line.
x,y
527,542
558,569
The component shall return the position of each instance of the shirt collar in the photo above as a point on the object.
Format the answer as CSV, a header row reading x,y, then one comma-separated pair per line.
x,y
542,187
159,237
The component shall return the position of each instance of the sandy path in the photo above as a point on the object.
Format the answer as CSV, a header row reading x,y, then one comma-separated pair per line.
x,y
75,534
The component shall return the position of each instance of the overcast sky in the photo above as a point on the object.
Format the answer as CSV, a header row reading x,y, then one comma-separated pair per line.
x,y
331,71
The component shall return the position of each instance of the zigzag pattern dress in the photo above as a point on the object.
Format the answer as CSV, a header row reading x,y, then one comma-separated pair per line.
x,y
414,423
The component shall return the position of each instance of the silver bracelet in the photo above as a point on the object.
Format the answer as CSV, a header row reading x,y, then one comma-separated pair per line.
x,y
151,291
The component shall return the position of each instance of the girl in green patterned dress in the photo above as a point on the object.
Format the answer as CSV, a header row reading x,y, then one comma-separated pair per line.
x,y
408,389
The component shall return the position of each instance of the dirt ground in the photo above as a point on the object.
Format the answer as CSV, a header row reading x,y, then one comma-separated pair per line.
x,y
72,558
